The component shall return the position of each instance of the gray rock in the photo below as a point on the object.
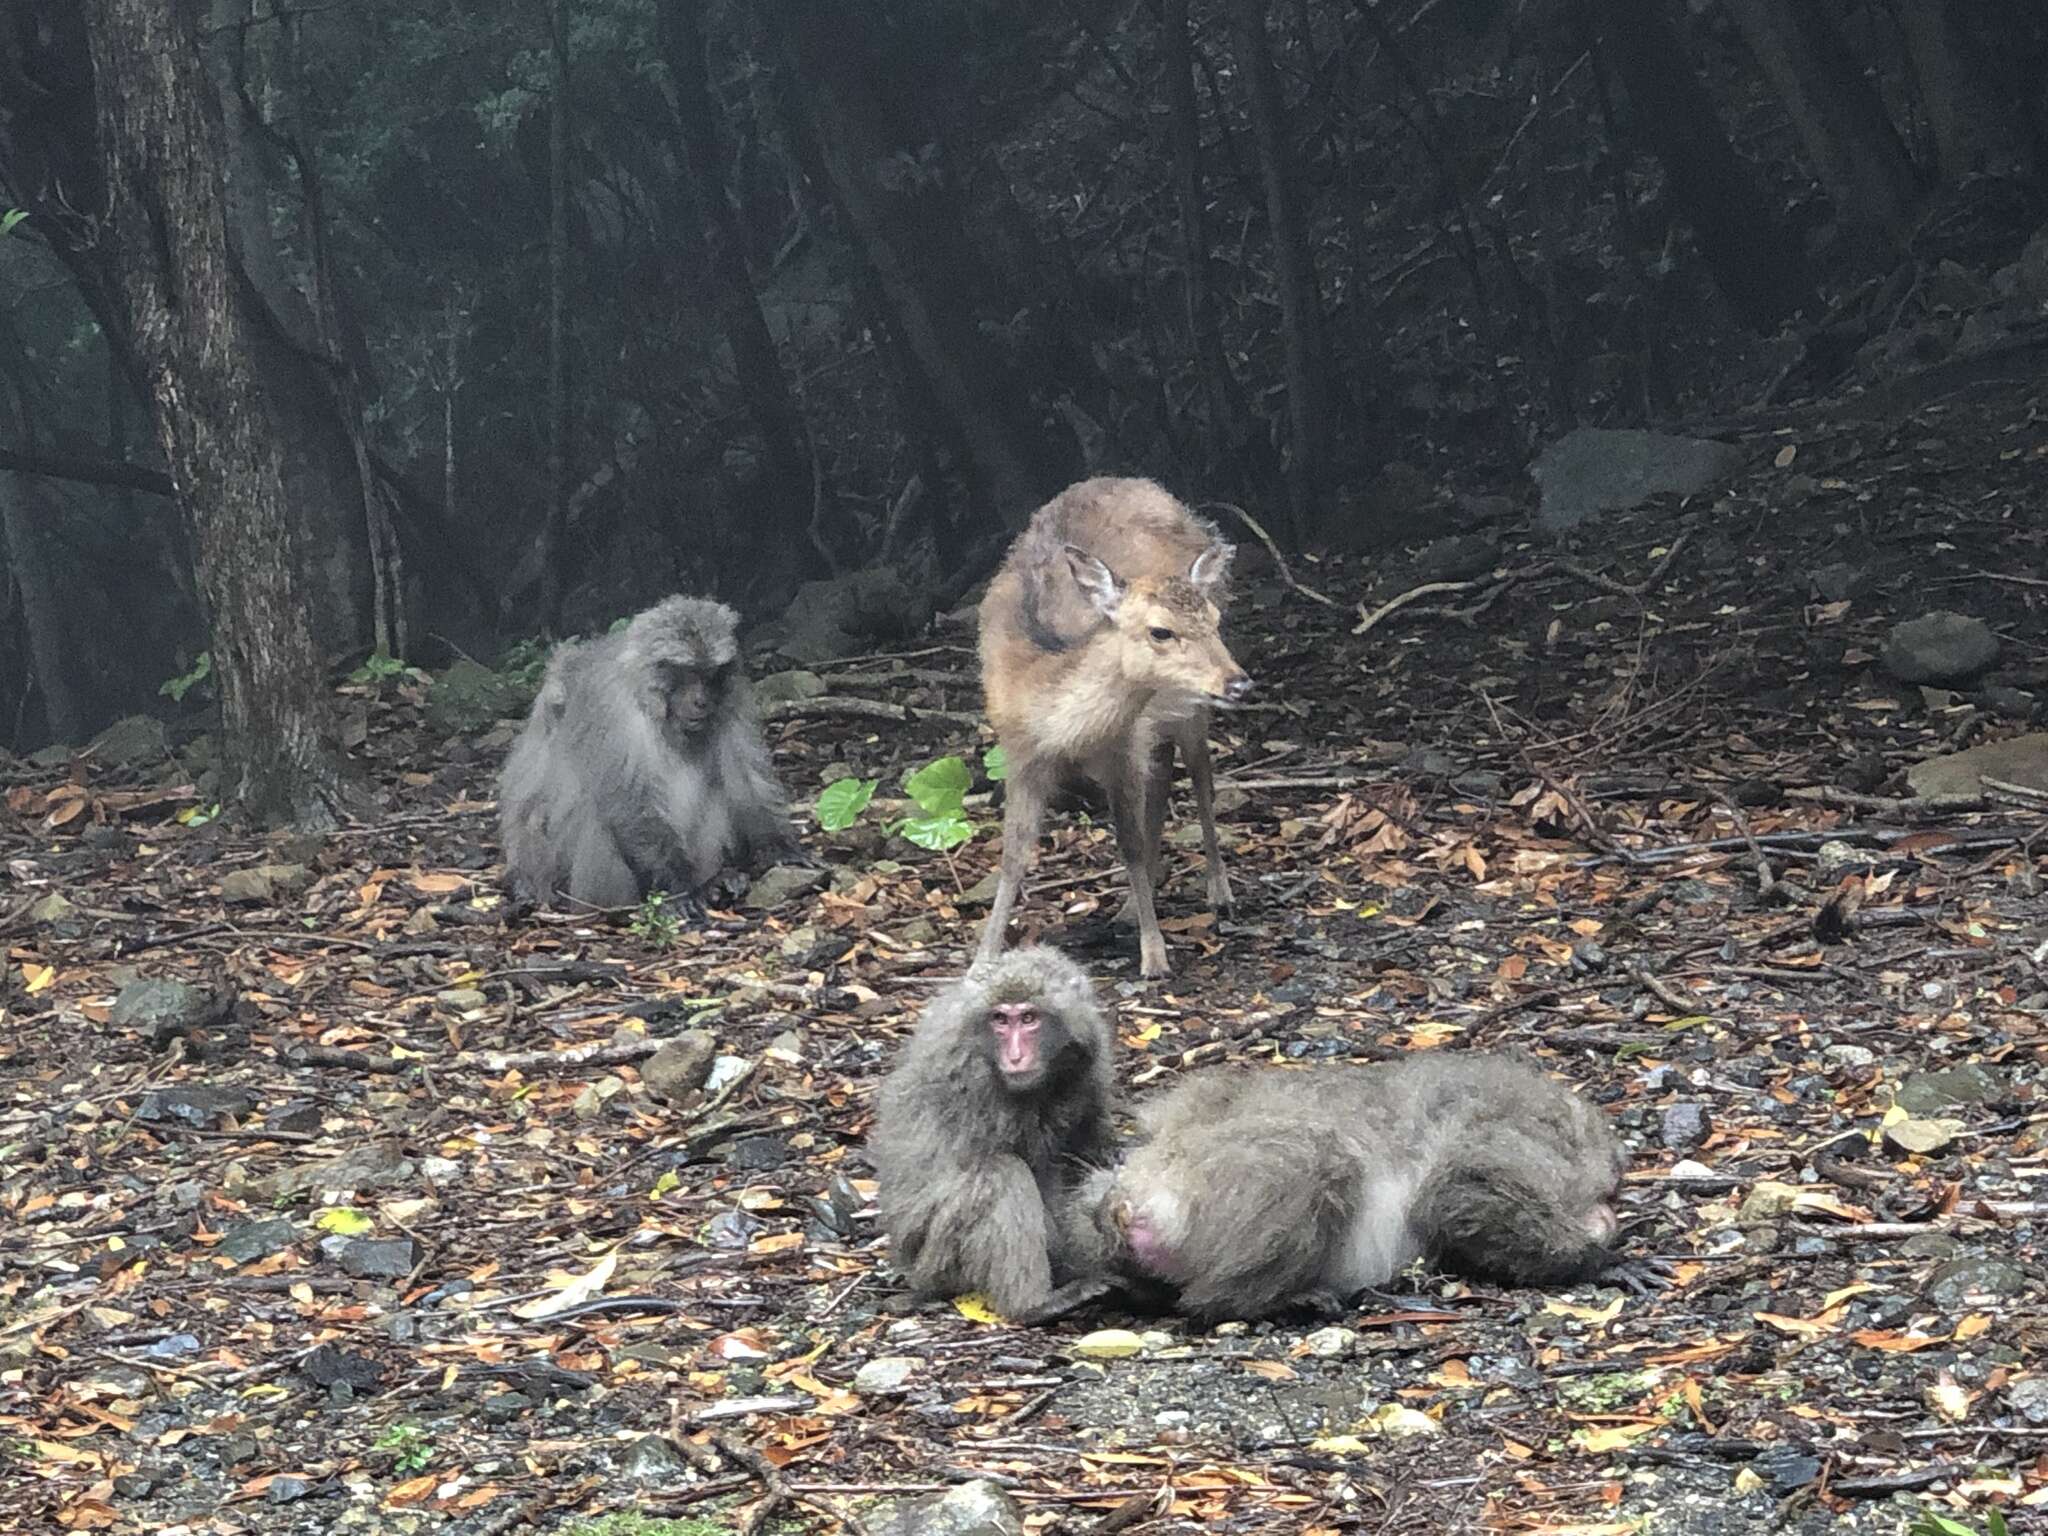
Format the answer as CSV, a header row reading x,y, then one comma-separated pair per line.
x,y
202,1107
1472,511
2021,760
298,1117
461,999
265,884
680,1067
131,740
775,886
1838,581
779,687
982,892
758,1154
1787,1470
1963,1282
247,1241
1684,1127
504,1407
52,910
2031,276
376,1166
160,1008
470,696
330,1366
1331,1343
2029,1399
1605,469
1939,647
1929,1093
978,1508
1458,558
652,1459
887,1373
1849,1056
1835,858
828,619
378,1258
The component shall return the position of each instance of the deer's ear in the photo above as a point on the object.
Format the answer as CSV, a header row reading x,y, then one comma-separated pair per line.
x,y
1097,581
1212,567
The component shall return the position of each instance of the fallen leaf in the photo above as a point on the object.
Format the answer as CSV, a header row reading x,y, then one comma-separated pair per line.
x,y
574,1290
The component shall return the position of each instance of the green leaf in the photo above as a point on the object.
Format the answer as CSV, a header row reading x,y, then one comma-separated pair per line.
x,y
842,801
377,668
198,815
344,1221
996,764
937,833
665,1183
10,218
940,787
175,688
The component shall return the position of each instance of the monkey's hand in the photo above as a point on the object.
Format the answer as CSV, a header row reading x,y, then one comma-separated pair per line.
x,y
1068,1299
1640,1277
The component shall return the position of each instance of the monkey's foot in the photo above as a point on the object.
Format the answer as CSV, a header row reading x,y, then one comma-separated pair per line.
x,y
1066,1300
1640,1277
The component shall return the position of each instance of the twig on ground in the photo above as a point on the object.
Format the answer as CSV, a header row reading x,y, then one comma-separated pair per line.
x,y
1279,560
864,709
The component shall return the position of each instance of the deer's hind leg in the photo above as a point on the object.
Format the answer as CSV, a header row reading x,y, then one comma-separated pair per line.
x,y
1158,784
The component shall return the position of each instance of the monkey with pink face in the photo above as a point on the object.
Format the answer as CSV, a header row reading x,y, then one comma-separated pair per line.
x,y
1258,1190
999,1104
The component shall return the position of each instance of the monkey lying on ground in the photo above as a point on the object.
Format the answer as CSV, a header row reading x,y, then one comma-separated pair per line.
x,y
641,766
1000,1102
1259,1190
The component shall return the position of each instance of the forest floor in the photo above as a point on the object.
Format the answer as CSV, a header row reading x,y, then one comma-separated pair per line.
x,y
382,1226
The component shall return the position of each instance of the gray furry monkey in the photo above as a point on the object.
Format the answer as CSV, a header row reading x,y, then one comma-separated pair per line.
x,y
1257,1190
999,1103
641,765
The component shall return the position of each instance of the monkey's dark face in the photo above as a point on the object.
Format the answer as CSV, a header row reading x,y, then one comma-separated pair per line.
x,y
690,697
1025,1044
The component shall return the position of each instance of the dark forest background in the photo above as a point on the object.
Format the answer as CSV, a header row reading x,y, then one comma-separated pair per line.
x,y
457,323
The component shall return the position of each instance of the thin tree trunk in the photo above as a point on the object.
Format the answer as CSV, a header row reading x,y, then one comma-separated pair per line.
x,y
1301,302
910,229
1976,124
1205,337
558,322
785,535
1756,259
1849,139
187,316
41,610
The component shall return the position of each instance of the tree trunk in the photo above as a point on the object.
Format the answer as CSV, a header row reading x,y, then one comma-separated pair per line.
x,y
1205,337
1301,301
1977,126
558,322
42,617
1756,259
905,216
187,315
784,538
1837,114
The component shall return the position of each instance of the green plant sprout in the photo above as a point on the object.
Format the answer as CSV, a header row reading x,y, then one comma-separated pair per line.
x,y
938,790
175,688
656,921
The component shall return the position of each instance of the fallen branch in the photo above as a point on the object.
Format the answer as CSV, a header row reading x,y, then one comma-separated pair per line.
x,y
1279,560
864,709
1366,620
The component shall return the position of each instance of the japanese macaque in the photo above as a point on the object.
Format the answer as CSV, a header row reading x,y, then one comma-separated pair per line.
x,y
1260,1190
1100,658
641,766
999,1104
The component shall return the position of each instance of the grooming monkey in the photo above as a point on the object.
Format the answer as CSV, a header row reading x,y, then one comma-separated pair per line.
x,y
641,766
1100,658
1257,1190
999,1103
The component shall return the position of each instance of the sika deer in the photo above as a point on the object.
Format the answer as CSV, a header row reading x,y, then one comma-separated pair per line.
x,y
1099,656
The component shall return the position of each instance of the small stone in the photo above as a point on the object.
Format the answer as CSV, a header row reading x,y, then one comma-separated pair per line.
x,y
504,1407
461,999
247,1241
328,1366
295,1117
919,930
1766,1201
378,1258
1835,858
131,740
1940,647
287,1488
134,1485
173,1346
1788,1470
978,1508
885,1374
1964,1282
785,687
1922,1136
375,1166
652,1459
1684,1127
782,883
1108,1344
1329,1343
1839,581
161,1008
1457,558
2029,1398
1686,1168
1154,1340
982,892
680,1067
205,1108
52,909
758,1154
1927,1093
1849,1057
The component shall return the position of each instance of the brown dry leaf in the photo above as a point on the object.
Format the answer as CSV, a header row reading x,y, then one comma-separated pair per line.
x,y
1896,1343
1270,1370
1612,1437
1800,1327
412,1491
444,884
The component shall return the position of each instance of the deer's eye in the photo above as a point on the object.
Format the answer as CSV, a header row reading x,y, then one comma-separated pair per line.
x,y
1161,633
